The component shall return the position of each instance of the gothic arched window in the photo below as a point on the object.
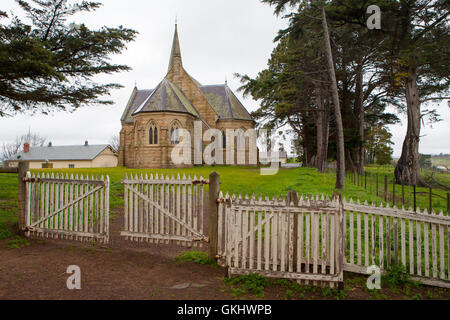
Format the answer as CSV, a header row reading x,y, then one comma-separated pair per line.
x,y
153,134
224,139
174,133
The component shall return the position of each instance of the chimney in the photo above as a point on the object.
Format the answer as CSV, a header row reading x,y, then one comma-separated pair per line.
x,y
26,147
50,145
86,143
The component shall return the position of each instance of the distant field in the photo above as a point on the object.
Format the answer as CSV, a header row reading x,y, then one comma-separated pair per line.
x,y
441,161
439,199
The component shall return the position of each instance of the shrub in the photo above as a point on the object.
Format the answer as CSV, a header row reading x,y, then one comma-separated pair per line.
x,y
252,283
396,276
198,257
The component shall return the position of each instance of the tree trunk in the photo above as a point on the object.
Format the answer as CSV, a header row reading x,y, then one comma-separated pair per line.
x,y
407,171
360,107
340,168
319,128
326,134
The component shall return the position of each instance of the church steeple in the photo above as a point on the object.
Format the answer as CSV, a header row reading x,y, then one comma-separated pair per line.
x,y
175,56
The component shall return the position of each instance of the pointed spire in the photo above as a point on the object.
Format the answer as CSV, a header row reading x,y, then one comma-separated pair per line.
x,y
175,56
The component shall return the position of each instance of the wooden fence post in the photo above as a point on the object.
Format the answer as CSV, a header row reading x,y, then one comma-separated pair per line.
x,y
292,197
431,199
23,169
403,193
377,184
386,188
365,180
393,192
448,204
213,230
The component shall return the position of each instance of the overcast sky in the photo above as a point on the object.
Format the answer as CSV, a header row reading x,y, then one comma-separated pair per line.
x,y
218,38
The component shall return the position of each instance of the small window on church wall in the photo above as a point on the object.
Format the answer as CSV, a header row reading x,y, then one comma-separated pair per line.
x,y
174,134
153,135
224,139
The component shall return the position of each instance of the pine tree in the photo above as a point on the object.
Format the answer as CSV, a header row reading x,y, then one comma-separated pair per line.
x,y
48,64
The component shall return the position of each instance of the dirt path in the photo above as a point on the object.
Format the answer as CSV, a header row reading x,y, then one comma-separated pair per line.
x,y
124,270
120,270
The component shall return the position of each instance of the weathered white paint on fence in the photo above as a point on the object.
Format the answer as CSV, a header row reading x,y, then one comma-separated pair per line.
x,y
265,229
67,208
415,242
164,210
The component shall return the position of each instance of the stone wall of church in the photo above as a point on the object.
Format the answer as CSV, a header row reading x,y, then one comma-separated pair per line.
x,y
138,152
223,125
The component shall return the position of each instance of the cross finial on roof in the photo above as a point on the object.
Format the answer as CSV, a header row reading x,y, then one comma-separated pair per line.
x,y
176,19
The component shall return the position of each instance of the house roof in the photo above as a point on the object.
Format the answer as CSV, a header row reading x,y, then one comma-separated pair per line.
x,y
167,97
61,153
225,102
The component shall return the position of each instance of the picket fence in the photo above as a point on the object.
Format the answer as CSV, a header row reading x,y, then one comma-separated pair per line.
x,y
71,208
164,210
279,238
384,235
372,235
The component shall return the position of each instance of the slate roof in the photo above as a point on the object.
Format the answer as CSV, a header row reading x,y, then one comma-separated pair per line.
x,y
139,97
167,97
61,153
225,102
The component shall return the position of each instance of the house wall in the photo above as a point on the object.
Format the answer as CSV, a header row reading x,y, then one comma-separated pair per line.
x,y
106,159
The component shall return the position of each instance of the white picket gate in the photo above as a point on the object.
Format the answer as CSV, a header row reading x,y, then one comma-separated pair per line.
x,y
273,238
164,210
71,208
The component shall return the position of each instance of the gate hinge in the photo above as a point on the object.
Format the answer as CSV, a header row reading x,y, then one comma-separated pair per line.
x,y
200,182
222,200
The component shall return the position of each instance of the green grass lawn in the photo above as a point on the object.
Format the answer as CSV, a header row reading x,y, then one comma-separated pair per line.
x,y
8,204
237,180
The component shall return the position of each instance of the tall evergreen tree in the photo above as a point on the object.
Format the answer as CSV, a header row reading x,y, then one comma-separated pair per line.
x,y
47,63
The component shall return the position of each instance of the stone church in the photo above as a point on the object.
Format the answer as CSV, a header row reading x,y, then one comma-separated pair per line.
x,y
151,117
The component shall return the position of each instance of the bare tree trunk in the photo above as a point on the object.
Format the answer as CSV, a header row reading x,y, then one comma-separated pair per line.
x,y
407,170
319,127
340,168
326,134
360,107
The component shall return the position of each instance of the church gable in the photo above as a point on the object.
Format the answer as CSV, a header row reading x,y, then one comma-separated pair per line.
x,y
167,98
